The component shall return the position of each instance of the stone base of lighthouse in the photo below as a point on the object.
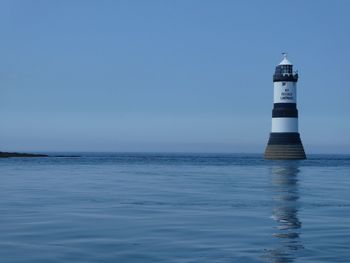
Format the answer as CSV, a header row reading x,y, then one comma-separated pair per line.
x,y
284,146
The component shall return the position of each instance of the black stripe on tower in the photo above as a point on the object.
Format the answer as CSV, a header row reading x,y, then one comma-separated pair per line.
x,y
287,110
284,138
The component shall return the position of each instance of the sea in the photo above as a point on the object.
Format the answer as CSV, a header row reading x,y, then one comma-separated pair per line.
x,y
174,207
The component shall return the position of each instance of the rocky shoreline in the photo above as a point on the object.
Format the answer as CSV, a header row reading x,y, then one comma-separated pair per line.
x,y
14,154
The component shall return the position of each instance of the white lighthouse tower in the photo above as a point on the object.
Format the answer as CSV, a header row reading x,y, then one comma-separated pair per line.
x,y
284,141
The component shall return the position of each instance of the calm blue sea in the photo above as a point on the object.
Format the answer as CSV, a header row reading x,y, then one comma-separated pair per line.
x,y
174,208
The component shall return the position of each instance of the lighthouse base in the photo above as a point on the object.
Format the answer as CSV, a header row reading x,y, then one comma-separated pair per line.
x,y
284,146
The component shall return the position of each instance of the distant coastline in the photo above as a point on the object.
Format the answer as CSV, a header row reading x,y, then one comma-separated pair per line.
x,y
15,154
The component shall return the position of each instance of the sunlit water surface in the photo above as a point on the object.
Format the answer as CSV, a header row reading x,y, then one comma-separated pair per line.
x,y
174,208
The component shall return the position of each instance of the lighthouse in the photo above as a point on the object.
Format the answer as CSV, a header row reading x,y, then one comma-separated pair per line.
x,y
284,141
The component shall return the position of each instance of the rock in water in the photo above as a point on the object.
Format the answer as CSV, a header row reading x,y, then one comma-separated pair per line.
x,y
8,155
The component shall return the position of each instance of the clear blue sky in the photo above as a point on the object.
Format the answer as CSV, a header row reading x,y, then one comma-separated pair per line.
x,y
189,76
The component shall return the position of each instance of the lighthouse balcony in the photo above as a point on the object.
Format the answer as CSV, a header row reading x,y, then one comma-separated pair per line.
x,y
285,77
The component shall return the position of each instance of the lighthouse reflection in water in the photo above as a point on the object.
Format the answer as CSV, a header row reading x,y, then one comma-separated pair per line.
x,y
285,211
